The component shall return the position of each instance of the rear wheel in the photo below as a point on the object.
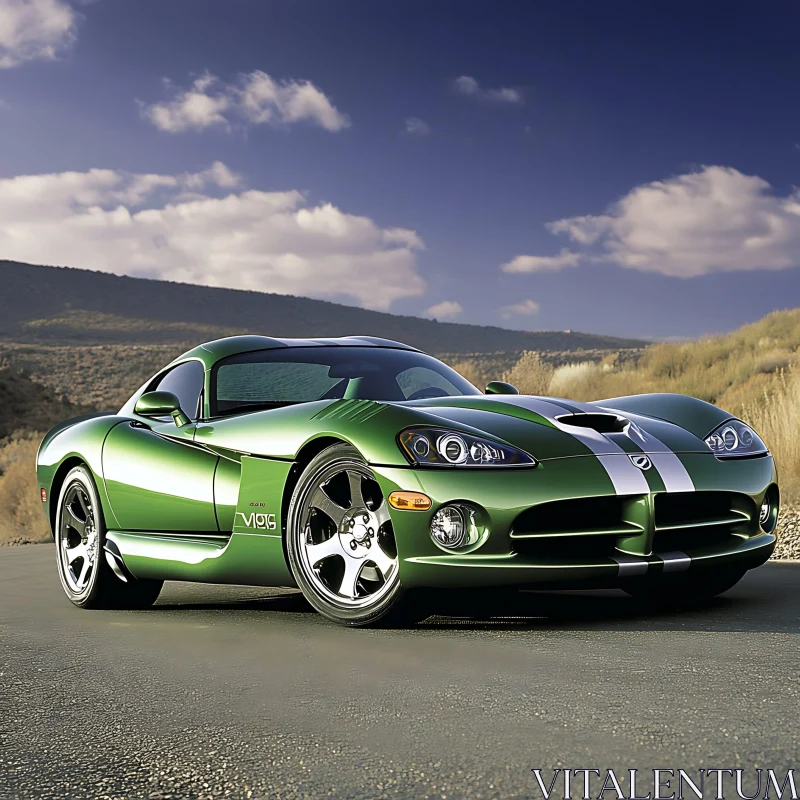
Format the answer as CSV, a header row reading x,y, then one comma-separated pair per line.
x,y
684,588
87,578
341,545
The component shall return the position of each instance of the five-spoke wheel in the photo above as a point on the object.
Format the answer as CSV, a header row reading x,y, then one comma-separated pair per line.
x,y
341,542
87,578
77,537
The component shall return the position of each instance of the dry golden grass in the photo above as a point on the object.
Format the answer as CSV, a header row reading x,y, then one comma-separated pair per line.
x,y
776,417
21,518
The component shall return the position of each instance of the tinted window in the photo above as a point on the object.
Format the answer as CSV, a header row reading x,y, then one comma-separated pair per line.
x,y
274,378
186,382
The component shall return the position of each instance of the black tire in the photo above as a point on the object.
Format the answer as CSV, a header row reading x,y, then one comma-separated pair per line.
x,y
80,528
684,588
392,606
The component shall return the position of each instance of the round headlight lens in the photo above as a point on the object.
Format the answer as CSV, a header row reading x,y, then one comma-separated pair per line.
x,y
420,446
764,514
452,448
449,526
730,438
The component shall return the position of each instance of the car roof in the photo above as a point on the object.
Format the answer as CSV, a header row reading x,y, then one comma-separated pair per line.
x,y
211,352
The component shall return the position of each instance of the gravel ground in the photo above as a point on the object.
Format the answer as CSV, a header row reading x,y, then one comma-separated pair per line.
x,y
788,533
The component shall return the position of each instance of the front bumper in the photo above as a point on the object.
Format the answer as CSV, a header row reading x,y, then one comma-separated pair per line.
x,y
503,495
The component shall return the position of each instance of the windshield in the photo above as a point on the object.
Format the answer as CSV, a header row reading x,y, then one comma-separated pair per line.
x,y
275,378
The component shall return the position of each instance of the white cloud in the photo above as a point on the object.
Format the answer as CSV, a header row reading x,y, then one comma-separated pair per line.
x,y
565,258
264,100
469,87
204,228
34,29
255,98
447,309
525,308
195,108
417,127
713,220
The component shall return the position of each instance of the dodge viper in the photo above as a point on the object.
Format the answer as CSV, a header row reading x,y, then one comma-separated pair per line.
x,y
372,476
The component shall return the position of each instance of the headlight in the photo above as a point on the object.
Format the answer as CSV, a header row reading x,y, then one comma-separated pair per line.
x,y
735,439
436,447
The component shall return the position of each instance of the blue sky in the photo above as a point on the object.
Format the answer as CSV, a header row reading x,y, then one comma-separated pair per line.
x,y
624,168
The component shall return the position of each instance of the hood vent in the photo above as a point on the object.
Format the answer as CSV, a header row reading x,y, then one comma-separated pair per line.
x,y
602,423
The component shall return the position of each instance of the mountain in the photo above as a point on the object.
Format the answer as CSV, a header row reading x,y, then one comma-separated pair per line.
x,y
56,305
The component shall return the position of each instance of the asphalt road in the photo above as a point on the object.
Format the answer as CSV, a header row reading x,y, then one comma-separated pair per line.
x,y
245,692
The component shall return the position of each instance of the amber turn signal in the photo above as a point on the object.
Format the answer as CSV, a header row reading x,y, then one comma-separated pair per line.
x,y
409,501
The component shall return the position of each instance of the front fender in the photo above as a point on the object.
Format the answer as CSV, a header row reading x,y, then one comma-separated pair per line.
x,y
80,439
691,414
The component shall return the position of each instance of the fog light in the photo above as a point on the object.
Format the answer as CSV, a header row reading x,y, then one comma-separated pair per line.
x,y
449,526
763,516
768,512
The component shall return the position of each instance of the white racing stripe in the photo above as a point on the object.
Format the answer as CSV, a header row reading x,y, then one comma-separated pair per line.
x,y
630,565
675,561
669,466
626,478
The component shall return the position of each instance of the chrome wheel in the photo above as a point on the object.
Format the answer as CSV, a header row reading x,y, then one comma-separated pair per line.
x,y
347,548
78,538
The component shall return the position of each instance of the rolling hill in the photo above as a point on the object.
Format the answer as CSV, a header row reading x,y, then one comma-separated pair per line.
x,y
29,406
62,305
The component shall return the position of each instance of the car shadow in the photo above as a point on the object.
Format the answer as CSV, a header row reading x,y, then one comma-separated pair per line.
x,y
766,600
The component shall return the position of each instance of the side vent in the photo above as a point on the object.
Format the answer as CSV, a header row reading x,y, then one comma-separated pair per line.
x,y
351,410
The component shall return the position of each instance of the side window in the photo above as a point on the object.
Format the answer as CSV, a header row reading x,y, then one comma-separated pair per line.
x,y
186,382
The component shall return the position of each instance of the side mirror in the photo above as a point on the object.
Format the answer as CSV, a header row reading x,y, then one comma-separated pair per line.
x,y
161,404
498,387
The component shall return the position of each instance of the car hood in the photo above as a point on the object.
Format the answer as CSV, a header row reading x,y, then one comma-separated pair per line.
x,y
550,428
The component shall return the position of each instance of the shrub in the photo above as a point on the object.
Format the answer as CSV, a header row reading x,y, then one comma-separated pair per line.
x,y
470,371
21,517
576,381
531,375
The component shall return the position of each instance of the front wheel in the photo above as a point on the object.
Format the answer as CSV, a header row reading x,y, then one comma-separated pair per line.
x,y
686,588
87,578
341,544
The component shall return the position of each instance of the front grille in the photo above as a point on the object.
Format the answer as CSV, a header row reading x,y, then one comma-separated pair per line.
x,y
693,520
679,509
575,517
591,527
583,528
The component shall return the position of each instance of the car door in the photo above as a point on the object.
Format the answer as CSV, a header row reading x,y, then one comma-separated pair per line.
x,y
157,478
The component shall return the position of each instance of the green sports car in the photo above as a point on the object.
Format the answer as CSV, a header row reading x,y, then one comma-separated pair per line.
x,y
372,476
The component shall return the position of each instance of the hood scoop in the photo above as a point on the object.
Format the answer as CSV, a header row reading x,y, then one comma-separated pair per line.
x,y
602,423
